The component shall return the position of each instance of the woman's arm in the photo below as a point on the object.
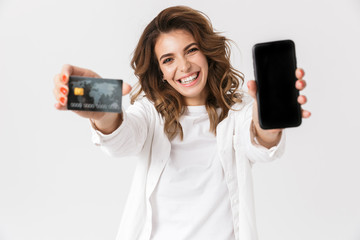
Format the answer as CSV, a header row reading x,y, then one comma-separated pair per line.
x,y
108,123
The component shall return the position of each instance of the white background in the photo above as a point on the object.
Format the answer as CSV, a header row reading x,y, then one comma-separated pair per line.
x,y
54,184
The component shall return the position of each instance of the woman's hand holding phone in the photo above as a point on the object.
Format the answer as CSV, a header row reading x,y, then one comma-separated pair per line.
x,y
271,137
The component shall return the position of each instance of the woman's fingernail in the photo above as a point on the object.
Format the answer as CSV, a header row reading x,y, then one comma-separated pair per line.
x,y
63,90
62,100
64,78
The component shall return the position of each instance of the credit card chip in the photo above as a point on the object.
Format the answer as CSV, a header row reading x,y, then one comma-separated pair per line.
x,y
78,91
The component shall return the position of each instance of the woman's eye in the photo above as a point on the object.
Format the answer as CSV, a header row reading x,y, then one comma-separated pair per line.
x,y
167,60
193,50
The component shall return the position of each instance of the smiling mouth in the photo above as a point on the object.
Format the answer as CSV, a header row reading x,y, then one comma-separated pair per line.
x,y
189,79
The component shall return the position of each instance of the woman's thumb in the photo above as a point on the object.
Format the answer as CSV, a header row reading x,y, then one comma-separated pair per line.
x,y
126,88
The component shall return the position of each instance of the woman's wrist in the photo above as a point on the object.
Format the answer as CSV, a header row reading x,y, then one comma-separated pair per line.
x,y
108,123
266,138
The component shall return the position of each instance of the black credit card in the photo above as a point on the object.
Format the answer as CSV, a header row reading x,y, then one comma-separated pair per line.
x,y
94,94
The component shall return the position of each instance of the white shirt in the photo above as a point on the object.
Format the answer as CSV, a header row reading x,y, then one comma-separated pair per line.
x,y
141,134
191,198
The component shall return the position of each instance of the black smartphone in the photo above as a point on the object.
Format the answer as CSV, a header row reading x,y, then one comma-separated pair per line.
x,y
274,67
94,94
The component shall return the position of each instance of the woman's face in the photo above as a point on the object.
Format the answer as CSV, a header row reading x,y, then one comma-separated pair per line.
x,y
183,65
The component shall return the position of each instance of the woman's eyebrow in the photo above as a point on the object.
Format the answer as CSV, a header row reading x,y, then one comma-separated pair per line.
x,y
190,45
185,48
166,55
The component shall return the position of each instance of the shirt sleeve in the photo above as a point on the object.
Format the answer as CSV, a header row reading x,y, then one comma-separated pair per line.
x,y
254,151
129,137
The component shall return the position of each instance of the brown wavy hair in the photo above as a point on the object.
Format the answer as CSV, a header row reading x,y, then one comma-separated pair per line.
x,y
223,80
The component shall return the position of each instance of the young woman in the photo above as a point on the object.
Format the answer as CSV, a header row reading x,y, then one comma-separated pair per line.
x,y
196,135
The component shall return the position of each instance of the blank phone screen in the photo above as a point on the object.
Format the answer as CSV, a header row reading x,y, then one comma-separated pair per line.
x,y
275,65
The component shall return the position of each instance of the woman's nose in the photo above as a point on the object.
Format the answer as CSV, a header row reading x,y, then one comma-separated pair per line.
x,y
185,65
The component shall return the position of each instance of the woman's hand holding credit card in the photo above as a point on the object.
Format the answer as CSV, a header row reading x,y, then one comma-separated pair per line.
x,y
88,95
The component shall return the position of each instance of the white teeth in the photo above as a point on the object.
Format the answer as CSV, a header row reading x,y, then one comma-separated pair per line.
x,y
189,79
